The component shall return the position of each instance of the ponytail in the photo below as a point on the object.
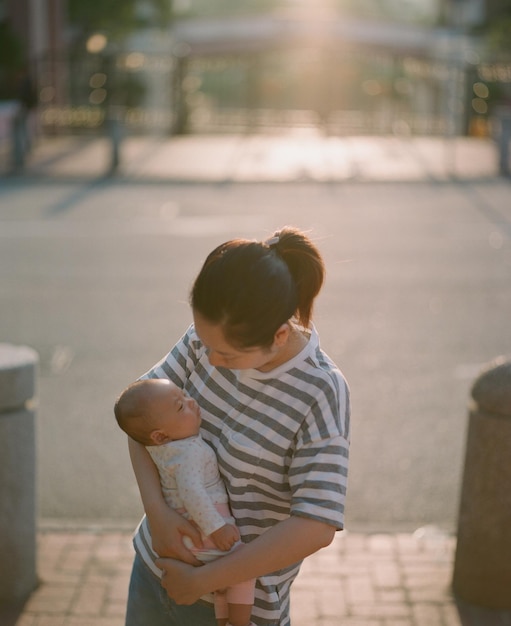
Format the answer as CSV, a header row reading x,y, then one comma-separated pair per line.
x,y
251,288
306,267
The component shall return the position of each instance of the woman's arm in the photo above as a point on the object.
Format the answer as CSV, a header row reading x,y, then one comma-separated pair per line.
x,y
167,527
285,543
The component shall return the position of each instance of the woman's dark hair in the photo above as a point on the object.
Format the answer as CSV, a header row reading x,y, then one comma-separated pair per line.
x,y
251,288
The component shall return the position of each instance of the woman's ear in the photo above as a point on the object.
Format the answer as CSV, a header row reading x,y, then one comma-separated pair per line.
x,y
158,437
281,335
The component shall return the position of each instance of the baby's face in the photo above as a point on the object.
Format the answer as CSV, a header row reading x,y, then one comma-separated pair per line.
x,y
179,414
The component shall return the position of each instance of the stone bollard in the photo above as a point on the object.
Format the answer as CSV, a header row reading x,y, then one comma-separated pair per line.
x,y
18,141
115,129
503,115
115,136
18,575
482,564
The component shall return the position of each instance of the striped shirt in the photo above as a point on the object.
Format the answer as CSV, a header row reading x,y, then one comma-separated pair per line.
x,y
282,441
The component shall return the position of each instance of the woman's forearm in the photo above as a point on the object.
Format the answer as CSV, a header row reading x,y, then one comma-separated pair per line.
x,y
283,545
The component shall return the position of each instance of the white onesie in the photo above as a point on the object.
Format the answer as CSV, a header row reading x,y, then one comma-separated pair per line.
x,y
191,482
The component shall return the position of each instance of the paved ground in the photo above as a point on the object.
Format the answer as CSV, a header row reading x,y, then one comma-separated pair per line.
x,y
297,155
379,580
364,578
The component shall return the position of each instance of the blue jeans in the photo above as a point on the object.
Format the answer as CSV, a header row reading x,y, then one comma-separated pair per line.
x,y
149,604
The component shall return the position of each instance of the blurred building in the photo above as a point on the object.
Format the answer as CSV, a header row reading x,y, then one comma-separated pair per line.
x,y
39,24
292,64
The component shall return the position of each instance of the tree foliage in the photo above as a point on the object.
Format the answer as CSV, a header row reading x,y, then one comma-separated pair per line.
x,y
498,27
225,8
12,60
117,18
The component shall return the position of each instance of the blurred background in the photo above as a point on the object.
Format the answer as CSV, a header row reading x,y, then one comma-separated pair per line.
x,y
166,67
95,270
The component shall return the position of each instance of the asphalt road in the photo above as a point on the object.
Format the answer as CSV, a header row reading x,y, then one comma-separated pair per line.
x,y
95,277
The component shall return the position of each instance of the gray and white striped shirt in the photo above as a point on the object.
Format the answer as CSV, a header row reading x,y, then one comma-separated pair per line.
x,y
282,441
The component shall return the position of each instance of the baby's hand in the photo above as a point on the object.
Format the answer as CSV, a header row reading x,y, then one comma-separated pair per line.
x,y
225,537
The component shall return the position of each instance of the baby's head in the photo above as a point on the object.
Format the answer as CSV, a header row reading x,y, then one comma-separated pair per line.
x,y
155,411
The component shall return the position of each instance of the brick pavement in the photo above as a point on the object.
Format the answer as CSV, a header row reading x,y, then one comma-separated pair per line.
x,y
378,580
362,579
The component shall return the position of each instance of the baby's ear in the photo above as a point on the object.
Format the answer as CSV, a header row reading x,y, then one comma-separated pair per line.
x,y
158,437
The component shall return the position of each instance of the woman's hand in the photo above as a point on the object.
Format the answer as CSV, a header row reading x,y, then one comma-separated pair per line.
x,y
167,531
180,581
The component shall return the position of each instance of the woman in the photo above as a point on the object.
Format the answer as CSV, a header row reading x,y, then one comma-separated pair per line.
x,y
275,409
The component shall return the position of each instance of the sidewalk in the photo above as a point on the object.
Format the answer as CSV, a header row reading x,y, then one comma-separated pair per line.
x,y
298,155
362,579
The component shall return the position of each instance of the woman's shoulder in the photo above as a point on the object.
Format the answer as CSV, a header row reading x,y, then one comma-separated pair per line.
x,y
189,342
323,373
318,360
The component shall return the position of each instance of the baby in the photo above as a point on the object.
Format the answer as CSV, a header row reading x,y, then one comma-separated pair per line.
x,y
159,415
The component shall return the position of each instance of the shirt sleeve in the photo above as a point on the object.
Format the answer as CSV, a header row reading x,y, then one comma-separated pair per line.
x,y
319,468
180,361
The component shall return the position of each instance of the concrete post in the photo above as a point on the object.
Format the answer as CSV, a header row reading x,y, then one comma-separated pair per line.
x,y
503,115
482,565
18,575
18,141
181,112
115,135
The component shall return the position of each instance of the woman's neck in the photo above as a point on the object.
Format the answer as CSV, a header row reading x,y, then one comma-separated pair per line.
x,y
296,342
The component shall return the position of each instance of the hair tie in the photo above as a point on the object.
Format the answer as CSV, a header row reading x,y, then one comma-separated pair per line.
x,y
272,241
